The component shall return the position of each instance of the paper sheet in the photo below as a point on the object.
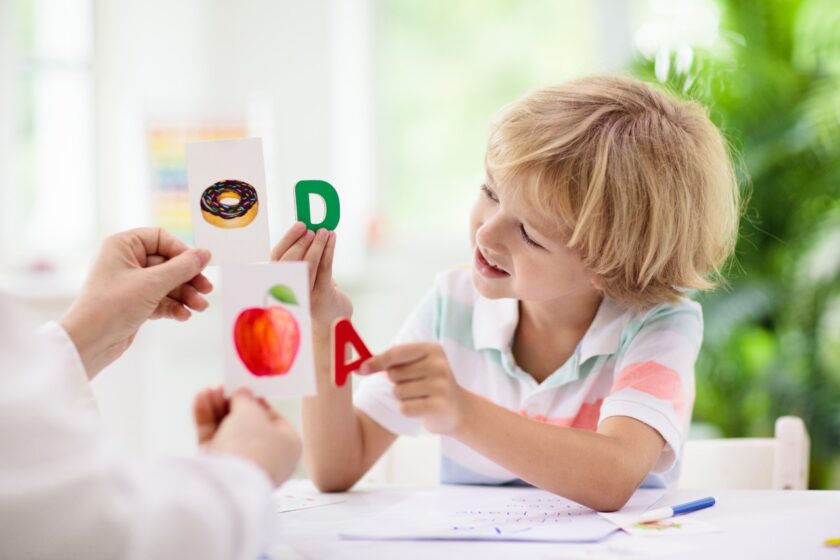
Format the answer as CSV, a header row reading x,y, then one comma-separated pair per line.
x,y
290,501
482,513
628,520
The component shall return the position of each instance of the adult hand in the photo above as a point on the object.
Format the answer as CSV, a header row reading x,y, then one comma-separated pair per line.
x,y
327,301
423,383
248,428
139,274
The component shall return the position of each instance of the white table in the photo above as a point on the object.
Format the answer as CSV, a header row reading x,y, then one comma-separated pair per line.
x,y
755,524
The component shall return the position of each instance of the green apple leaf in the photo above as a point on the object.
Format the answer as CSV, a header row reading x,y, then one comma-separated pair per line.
x,y
283,294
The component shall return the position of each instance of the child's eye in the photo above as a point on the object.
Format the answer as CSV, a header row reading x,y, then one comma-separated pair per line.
x,y
527,239
490,194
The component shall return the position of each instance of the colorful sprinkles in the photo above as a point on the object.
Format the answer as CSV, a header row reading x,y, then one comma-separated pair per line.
x,y
212,196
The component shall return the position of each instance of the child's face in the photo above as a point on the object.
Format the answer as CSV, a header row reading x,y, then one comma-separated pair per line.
x,y
519,253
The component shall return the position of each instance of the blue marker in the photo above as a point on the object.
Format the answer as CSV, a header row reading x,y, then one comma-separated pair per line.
x,y
666,512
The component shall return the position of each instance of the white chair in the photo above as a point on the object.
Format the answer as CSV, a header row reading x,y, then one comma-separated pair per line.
x,y
777,463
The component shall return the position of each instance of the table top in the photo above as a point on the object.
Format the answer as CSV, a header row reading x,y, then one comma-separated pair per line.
x,y
753,523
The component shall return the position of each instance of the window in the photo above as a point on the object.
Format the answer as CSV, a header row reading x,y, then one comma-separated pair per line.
x,y
47,114
445,67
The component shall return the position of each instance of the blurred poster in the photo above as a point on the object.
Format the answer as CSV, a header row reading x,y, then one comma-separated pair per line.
x,y
168,167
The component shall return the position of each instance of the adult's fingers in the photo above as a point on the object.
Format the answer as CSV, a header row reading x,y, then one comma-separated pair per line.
x,y
242,400
202,284
199,282
168,308
187,295
156,241
202,406
204,415
272,414
168,275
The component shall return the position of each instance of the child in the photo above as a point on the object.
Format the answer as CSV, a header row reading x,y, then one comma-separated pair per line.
x,y
565,358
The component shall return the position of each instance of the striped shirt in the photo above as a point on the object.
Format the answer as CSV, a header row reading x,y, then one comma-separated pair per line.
x,y
635,364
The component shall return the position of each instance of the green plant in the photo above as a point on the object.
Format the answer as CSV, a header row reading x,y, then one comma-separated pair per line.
x,y
772,347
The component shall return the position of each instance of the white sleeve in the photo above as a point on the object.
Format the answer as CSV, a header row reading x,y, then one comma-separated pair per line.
x,y
74,377
654,380
375,396
66,491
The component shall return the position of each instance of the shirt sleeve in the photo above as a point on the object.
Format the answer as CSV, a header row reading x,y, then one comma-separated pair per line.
x,y
66,491
74,380
374,395
654,381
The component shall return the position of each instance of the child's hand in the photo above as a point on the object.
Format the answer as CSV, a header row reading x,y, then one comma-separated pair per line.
x,y
328,302
423,383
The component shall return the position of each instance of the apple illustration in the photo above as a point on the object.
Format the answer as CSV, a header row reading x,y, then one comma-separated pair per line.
x,y
267,338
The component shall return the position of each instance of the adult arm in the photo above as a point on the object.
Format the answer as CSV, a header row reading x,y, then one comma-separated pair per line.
x,y
67,492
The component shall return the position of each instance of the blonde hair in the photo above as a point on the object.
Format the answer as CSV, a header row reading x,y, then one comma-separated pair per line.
x,y
643,181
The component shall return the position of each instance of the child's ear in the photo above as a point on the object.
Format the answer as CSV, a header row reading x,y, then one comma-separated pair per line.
x,y
597,282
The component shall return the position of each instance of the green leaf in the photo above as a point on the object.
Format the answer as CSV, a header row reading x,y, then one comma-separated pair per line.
x,y
283,294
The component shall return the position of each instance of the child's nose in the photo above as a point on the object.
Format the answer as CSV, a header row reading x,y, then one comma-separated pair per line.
x,y
488,235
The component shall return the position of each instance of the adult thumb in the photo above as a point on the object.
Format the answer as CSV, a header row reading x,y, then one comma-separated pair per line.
x,y
179,270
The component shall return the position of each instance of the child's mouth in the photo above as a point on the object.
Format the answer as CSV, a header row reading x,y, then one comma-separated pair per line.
x,y
486,269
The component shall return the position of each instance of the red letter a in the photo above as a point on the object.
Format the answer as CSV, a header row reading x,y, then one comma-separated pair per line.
x,y
344,334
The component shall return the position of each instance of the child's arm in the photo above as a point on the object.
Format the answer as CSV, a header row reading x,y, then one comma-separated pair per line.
x,y
598,469
341,442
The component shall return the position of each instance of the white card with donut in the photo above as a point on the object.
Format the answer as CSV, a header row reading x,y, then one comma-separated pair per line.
x,y
267,328
229,200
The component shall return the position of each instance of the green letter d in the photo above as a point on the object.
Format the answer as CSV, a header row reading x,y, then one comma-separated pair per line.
x,y
328,193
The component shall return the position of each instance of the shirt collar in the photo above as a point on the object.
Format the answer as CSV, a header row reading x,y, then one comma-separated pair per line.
x,y
604,334
495,320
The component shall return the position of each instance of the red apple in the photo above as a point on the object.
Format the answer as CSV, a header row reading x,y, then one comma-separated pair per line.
x,y
267,339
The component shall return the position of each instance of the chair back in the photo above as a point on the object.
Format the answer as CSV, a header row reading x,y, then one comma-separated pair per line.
x,y
777,463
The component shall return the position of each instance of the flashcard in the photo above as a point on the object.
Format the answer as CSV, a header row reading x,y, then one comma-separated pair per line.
x,y
228,199
328,194
267,328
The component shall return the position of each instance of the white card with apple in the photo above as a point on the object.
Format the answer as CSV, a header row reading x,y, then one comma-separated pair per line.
x,y
267,328
228,199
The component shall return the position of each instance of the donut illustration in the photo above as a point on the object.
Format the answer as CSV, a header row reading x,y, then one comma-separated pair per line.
x,y
229,204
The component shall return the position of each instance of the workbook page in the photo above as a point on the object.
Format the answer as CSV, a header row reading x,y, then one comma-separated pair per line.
x,y
491,513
